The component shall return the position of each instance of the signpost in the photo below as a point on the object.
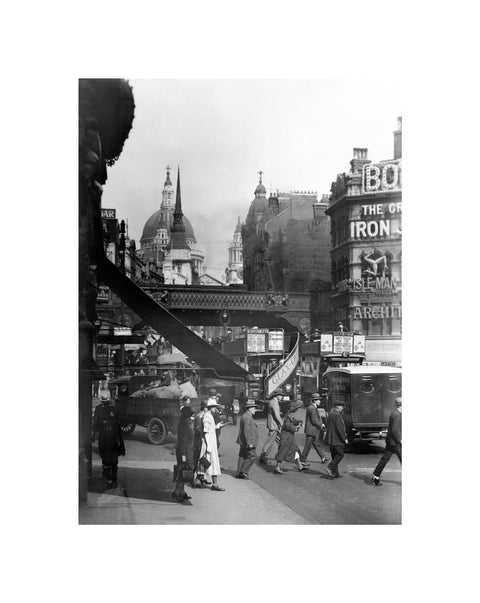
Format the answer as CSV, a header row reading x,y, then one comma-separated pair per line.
x,y
282,373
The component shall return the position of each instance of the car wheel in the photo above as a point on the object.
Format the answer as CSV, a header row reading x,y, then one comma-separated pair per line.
x,y
156,431
128,428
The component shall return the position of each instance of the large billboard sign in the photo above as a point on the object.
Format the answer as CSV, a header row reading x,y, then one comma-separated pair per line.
x,y
381,177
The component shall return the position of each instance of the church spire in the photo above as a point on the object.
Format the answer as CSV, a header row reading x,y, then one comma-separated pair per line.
x,y
178,239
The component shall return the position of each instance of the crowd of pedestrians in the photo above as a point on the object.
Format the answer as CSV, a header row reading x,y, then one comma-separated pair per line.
x,y
198,440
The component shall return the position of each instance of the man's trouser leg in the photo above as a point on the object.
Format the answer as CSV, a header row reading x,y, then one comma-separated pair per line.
x,y
306,449
269,442
337,456
387,455
248,459
316,445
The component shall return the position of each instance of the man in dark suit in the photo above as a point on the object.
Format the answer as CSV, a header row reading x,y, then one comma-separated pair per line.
x,y
313,427
248,440
274,424
336,438
393,441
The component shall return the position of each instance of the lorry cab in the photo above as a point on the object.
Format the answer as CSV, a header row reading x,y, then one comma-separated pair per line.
x,y
368,394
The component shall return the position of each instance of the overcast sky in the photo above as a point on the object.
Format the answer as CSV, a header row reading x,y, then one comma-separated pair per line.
x,y
300,133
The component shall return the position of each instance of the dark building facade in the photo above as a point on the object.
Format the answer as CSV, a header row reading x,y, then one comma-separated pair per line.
x,y
286,242
366,251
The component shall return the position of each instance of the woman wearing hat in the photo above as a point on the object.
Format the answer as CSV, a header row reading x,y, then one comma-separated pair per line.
x,y
288,449
184,451
209,446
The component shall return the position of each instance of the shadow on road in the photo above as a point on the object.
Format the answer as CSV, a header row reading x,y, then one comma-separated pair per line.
x,y
366,479
146,484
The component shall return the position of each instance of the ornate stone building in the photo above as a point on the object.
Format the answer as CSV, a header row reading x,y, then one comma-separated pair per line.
x,y
168,244
234,270
286,243
366,250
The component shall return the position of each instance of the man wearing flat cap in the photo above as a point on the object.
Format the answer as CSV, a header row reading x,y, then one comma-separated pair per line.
x,y
393,442
274,424
248,440
313,428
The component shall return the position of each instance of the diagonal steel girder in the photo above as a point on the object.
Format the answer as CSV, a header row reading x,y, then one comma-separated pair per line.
x,y
160,319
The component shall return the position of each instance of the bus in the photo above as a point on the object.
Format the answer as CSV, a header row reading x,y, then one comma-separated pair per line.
x,y
368,394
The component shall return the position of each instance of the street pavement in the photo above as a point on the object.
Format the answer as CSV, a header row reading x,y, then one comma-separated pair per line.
x,y
294,498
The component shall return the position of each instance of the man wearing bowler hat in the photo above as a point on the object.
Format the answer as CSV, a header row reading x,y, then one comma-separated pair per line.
x,y
336,438
313,427
248,440
274,424
393,441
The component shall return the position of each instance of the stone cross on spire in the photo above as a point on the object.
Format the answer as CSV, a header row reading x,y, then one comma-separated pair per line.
x,y
260,172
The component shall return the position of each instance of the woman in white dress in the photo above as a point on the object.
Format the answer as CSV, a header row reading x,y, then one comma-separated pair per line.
x,y
209,445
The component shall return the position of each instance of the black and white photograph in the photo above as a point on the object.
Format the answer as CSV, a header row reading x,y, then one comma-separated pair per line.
x,y
240,302
237,235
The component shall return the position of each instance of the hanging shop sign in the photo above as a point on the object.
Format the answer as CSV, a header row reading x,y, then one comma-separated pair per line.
x,y
381,177
103,294
108,213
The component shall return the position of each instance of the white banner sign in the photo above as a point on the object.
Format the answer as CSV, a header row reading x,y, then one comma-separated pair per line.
x,y
278,377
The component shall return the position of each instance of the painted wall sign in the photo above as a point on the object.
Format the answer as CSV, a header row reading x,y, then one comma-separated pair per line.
x,y
377,221
380,285
381,177
364,312
108,213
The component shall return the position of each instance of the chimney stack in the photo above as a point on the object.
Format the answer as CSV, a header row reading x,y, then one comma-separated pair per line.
x,y
360,158
397,140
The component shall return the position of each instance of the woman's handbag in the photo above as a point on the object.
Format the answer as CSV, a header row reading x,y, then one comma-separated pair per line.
x,y
182,473
204,463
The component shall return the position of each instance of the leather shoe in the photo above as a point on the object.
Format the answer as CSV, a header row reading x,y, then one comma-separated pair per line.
x,y
217,489
242,476
375,480
262,460
186,497
330,472
324,460
303,468
206,482
278,471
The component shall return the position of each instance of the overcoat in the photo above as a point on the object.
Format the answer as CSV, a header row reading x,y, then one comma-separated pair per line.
x,y
313,423
274,420
288,444
210,443
248,431
185,437
394,433
336,433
